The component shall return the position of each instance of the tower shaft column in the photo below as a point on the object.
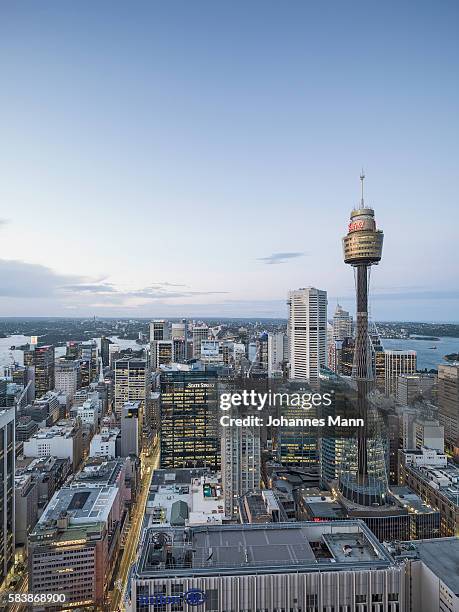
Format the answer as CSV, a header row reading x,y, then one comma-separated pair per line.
x,y
362,365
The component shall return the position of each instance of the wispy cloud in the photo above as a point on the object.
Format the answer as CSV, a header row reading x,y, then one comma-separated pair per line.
x,y
20,279
279,258
90,288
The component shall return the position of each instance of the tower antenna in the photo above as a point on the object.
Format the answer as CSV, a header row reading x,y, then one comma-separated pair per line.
x,y
362,178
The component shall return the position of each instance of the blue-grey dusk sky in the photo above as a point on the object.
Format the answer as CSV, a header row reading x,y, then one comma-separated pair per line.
x,y
201,158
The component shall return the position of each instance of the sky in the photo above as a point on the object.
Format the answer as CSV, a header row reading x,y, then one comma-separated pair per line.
x,y
202,158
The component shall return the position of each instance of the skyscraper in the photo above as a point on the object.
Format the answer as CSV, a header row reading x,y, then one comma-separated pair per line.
x,y
307,331
105,351
159,330
189,435
241,464
89,362
7,511
448,403
178,330
342,324
161,352
159,336
130,382
277,353
395,364
66,376
41,358
362,248
200,332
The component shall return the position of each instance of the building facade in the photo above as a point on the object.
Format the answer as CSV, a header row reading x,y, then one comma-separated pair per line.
x,y
448,403
7,501
189,434
131,378
41,358
396,364
241,464
307,332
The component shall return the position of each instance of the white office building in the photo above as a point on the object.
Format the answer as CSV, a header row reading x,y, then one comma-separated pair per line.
x,y
89,412
277,353
66,377
200,333
307,332
342,324
104,444
396,363
159,330
61,441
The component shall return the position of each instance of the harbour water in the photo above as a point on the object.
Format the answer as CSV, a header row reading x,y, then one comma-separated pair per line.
x,y
427,356
7,356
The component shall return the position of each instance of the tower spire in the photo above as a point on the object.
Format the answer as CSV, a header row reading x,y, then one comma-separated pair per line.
x,y
362,178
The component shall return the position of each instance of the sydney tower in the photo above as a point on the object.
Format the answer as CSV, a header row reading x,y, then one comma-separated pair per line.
x,y
362,249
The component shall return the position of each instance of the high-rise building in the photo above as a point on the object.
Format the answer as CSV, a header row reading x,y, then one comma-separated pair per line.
x,y
105,351
307,331
200,332
189,433
161,353
241,464
277,353
342,324
7,510
297,446
131,379
131,419
41,358
448,403
74,546
66,376
26,506
178,330
159,330
89,365
114,353
359,481
72,350
161,345
262,352
182,349
414,387
397,363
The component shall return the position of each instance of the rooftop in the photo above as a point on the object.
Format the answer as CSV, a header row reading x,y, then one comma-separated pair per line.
x,y
266,548
445,479
44,534
99,471
199,489
441,555
46,433
82,504
407,498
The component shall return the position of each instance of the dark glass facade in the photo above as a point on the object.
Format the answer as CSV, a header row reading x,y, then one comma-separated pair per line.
x,y
189,432
42,359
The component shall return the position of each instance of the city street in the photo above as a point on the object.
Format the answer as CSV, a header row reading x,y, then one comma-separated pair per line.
x,y
149,464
